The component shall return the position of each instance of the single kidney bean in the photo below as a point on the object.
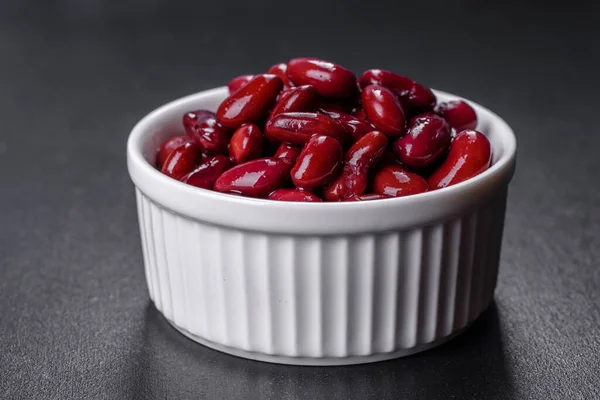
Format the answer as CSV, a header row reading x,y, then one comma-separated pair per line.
x,y
469,155
351,182
367,197
363,154
283,93
459,114
246,143
317,162
395,181
238,82
367,151
298,99
288,152
281,71
294,195
251,102
192,119
205,175
354,126
331,80
182,160
427,138
167,148
256,178
211,136
414,97
296,128
384,110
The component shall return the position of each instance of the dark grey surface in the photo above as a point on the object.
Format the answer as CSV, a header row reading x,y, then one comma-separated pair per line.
x,y
75,319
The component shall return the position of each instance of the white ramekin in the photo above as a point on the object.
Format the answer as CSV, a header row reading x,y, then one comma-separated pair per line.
x,y
318,283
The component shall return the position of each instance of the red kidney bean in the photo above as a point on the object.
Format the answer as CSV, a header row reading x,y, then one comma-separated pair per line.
x,y
281,71
211,136
469,155
283,93
193,119
238,82
182,160
297,128
351,182
205,175
317,162
246,143
294,195
367,151
459,114
298,99
363,154
256,178
367,197
355,127
331,80
288,152
414,97
395,181
384,110
167,148
250,103
427,138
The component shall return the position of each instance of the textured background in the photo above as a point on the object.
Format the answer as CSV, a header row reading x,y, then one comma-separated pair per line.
x,y
75,75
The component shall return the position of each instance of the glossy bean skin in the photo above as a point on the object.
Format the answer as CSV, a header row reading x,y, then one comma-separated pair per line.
x,y
238,82
384,110
192,119
205,175
469,155
246,143
256,178
251,102
317,163
298,99
288,152
395,181
211,136
294,195
182,160
297,128
367,197
355,127
459,114
351,182
330,80
414,97
367,151
167,148
363,155
427,139
281,71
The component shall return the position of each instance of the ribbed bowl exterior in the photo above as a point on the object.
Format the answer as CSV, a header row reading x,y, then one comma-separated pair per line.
x,y
315,297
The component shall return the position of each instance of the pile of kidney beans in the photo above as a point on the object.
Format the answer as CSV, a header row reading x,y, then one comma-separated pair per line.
x,y
309,130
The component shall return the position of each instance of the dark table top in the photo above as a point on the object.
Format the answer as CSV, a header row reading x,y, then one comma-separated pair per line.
x,y
75,318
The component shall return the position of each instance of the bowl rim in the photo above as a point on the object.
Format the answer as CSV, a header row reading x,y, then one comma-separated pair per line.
x,y
303,217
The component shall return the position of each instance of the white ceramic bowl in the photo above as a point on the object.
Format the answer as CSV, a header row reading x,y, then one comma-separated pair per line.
x,y
318,283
